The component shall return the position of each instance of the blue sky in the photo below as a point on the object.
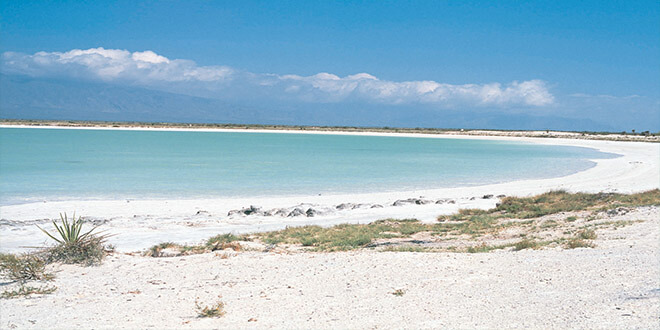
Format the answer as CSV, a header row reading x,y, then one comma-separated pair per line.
x,y
580,59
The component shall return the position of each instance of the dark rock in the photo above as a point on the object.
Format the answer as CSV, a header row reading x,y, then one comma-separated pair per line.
x,y
359,206
501,196
296,212
311,212
376,206
234,212
201,212
252,210
417,201
618,211
344,206
472,198
489,196
282,212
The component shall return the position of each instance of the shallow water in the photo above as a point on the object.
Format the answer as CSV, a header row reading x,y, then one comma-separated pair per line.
x,y
59,164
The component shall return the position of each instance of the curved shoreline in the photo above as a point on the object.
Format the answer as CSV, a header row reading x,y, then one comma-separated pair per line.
x,y
638,169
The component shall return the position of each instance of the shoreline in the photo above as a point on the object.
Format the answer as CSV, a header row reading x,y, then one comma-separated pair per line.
x,y
338,130
190,220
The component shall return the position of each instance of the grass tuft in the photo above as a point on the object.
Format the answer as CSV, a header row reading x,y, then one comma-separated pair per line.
x,y
526,244
399,292
587,234
23,268
215,310
26,291
576,242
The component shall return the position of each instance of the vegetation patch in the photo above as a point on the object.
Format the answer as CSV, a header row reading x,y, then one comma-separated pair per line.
x,y
530,222
215,310
526,244
23,291
74,246
399,292
22,268
558,201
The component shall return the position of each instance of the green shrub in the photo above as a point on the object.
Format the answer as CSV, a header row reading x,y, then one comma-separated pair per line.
x,y
23,268
526,244
588,234
73,246
216,310
577,242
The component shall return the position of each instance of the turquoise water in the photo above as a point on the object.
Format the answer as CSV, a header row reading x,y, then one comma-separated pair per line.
x,y
60,164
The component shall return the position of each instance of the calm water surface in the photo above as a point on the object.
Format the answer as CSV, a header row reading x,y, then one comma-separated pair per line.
x,y
59,164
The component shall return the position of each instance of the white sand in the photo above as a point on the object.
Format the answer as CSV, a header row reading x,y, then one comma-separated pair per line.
x,y
613,286
141,223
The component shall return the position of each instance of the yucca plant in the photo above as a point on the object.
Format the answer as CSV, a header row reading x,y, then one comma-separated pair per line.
x,y
69,231
74,246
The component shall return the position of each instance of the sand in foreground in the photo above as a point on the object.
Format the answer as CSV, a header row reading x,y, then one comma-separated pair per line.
x,y
615,285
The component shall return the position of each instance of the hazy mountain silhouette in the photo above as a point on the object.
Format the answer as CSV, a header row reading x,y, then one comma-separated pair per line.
x,y
24,97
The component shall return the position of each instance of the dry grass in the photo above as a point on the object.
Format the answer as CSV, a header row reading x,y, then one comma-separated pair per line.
x,y
22,268
515,224
23,291
215,310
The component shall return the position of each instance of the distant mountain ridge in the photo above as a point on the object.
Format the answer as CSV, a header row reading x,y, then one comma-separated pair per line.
x,y
24,97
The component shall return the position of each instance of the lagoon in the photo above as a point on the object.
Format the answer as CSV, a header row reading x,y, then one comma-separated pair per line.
x,y
39,164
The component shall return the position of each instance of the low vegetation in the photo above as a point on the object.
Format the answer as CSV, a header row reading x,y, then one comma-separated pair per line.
x,y
215,310
24,290
73,246
555,202
22,268
556,218
398,292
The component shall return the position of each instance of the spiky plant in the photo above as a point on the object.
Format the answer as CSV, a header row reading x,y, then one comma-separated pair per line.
x,y
69,231
74,246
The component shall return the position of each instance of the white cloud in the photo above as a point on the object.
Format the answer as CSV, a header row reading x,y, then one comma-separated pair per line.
x,y
152,70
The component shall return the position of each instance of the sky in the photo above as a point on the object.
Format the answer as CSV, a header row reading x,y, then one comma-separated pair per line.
x,y
595,60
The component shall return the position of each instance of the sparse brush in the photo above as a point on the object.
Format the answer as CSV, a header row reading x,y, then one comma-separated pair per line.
x,y
216,310
577,242
73,246
399,292
526,244
588,234
23,268
26,291
155,250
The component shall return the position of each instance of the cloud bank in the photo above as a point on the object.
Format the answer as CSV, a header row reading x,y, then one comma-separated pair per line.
x,y
149,69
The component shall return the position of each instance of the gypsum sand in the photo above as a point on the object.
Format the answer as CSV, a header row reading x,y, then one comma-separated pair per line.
x,y
613,284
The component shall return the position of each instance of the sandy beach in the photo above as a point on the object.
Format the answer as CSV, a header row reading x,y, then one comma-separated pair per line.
x,y
614,284
189,221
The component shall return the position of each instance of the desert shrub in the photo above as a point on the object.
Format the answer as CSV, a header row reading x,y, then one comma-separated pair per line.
x,y
215,310
525,244
23,268
224,238
588,234
155,250
73,246
399,292
577,242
